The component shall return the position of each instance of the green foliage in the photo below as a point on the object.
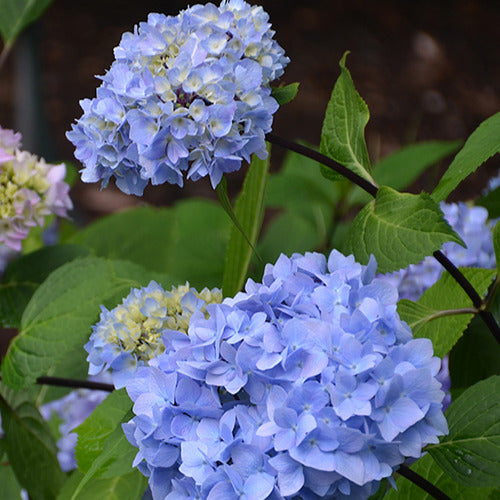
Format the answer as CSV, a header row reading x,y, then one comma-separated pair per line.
x,y
31,449
470,453
15,15
285,94
112,464
187,241
56,322
98,426
199,240
496,243
129,486
9,486
249,211
24,275
398,229
483,143
474,357
288,233
491,202
434,315
342,135
299,185
400,169
428,469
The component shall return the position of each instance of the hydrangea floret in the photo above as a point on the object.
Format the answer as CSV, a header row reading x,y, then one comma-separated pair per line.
x,y
476,230
30,190
307,385
188,94
129,335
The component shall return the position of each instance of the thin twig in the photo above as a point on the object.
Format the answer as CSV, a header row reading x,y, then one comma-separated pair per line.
x,y
77,384
422,483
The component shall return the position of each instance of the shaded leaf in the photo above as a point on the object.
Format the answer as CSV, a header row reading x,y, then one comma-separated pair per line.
x,y
483,143
23,276
470,453
31,449
187,242
465,368
491,201
15,15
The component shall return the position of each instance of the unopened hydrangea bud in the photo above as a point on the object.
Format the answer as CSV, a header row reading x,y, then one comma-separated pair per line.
x,y
30,190
131,334
186,95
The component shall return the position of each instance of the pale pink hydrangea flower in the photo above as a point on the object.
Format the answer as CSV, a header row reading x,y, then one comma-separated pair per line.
x,y
30,190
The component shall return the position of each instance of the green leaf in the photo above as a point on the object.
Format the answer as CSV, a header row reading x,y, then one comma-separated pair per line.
x,y
199,240
15,15
288,233
428,469
130,486
286,93
483,143
10,488
342,135
249,211
187,242
496,243
57,320
142,235
398,229
470,453
432,316
491,201
298,185
476,344
31,450
400,169
114,461
98,426
23,276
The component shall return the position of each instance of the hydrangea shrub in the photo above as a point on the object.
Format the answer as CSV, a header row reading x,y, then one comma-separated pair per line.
x,y
308,383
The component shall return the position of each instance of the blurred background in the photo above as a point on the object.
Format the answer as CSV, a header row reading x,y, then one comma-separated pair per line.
x,y
427,70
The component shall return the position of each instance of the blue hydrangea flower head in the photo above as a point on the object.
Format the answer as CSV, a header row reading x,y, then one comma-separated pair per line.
x,y
131,334
476,230
187,96
306,385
